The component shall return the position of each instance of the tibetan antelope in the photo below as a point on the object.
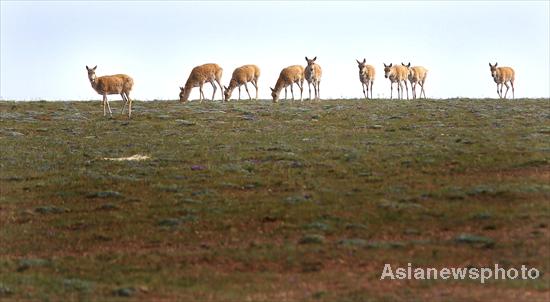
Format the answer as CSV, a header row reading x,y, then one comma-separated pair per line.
x,y
366,76
397,74
211,73
417,75
112,84
503,75
241,76
312,74
289,76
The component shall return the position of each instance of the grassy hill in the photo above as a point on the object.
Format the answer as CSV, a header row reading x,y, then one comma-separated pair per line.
x,y
254,201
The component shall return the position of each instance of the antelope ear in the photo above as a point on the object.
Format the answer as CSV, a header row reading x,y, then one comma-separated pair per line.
x,y
357,61
87,68
496,64
403,64
94,68
272,89
181,88
315,58
409,65
390,65
307,59
225,87
364,60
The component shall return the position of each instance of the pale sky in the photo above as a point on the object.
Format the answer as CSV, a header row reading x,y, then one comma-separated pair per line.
x,y
45,45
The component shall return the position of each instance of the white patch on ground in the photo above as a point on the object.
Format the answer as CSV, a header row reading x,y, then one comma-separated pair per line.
x,y
136,157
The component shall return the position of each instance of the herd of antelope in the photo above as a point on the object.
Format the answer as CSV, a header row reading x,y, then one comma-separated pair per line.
x,y
295,74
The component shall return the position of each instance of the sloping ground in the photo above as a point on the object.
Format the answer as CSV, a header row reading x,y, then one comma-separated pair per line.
x,y
250,201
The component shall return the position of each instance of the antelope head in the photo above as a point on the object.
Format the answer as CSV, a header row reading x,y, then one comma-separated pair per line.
x,y
275,95
227,93
91,73
387,70
182,94
408,67
493,69
361,65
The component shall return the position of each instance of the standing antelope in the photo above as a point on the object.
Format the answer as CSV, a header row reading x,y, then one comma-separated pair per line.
x,y
289,76
313,74
503,75
397,74
199,75
241,76
366,76
112,84
417,75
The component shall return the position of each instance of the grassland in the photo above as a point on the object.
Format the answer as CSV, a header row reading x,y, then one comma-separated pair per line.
x,y
254,201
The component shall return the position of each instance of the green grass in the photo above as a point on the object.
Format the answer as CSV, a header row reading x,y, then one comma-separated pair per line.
x,y
271,202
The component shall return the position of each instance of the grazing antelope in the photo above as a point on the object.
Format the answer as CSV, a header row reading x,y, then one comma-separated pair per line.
x,y
313,74
417,75
199,75
503,75
241,76
112,84
397,74
289,76
366,76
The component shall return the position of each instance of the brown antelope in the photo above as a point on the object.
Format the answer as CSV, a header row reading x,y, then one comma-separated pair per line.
x,y
397,74
287,77
211,73
112,84
241,76
503,75
417,75
366,76
313,74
